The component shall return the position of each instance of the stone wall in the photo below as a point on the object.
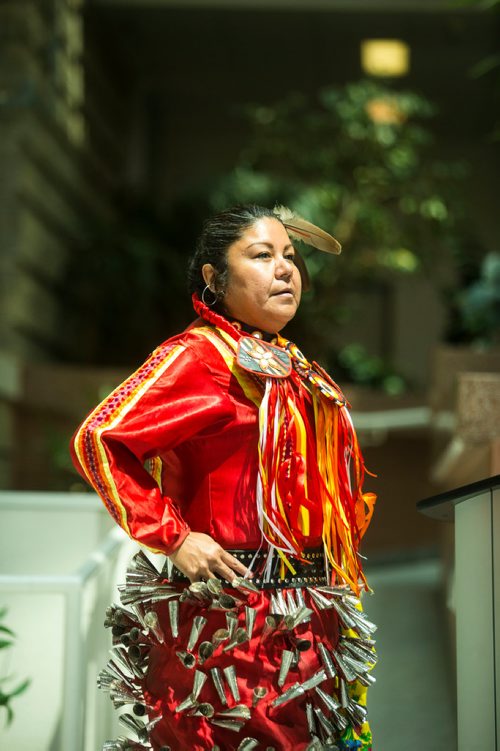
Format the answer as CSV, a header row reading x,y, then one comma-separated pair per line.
x,y
58,153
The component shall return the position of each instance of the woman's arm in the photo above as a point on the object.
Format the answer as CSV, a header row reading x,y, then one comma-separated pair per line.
x,y
171,398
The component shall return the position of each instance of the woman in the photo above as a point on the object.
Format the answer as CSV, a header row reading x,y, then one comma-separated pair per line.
x,y
234,457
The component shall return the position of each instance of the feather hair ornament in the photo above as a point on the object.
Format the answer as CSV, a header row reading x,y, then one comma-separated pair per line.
x,y
300,229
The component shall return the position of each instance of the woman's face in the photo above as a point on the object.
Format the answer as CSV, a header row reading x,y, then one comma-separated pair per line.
x,y
264,284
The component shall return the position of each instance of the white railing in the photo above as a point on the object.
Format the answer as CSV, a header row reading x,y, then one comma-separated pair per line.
x,y
60,558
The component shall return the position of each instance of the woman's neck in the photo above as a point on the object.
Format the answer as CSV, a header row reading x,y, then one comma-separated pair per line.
x,y
222,320
248,329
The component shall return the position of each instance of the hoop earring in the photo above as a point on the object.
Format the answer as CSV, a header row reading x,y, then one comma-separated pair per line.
x,y
209,304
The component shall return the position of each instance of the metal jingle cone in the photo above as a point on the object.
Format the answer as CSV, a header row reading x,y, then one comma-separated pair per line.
x,y
141,563
258,693
366,642
355,664
167,569
337,590
282,602
205,651
137,655
301,615
344,668
250,616
324,721
240,637
270,625
219,686
302,645
239,712
116,616
134,725
219,636
202,710
343,614
140,612
368,656
329,701
286,623
290,601
187,659
135,635
188,703
105,680
274,608
123,662
327,660
198,683
340,721
173,614
247,744
200,591
233,725
230,675
299,596
286,661
363,625
160,596
367,679
228,602
314,680
353,600
315,745
214,586
140,709
153,623
322,602
292,693
153,723
232,623
311,722
120,674
199,623
344,698
244,585
356,712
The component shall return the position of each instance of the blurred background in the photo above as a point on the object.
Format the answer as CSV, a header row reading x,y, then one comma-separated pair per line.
x,y
124,123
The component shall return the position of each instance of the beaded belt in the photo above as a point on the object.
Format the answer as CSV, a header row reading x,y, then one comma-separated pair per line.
x,y
306,574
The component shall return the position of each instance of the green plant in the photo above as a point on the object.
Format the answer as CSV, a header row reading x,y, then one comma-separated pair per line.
x,y
360,161
478,305
489,65
355,364
6,695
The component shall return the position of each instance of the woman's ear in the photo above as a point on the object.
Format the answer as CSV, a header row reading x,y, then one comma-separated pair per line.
x,y
209,274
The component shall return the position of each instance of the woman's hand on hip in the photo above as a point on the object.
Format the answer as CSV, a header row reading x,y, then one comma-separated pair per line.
x,y
200,557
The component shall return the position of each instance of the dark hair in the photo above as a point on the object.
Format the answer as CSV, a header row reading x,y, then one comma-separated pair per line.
x,y
218,233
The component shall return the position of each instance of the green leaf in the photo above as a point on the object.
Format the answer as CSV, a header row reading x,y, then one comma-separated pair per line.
x,y
5,630
21,688
10,714
4,643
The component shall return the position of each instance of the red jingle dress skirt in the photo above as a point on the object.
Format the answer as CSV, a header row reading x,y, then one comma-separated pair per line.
x,y
223,433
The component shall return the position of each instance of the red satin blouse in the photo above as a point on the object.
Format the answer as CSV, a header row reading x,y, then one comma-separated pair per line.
x,y
174,448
